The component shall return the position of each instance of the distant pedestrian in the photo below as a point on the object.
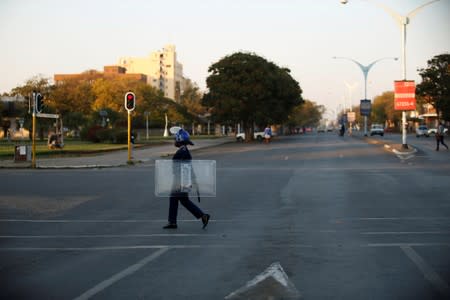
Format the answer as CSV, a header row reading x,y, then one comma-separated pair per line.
x,y
342,130
440,136
181,141
267,134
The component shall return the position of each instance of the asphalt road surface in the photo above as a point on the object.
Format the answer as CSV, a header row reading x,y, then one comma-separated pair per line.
x,y
305,217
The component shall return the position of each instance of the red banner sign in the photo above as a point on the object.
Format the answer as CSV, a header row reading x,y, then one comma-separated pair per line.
x,y
405,95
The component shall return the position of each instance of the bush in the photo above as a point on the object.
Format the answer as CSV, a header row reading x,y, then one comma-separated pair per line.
x,y
98,134
90,133
105,135
121,137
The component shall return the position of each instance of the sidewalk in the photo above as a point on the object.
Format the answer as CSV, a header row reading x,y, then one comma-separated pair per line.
x,y
391,146
115,158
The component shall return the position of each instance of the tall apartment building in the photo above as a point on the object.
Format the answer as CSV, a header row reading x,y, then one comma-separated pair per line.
x,y
163,70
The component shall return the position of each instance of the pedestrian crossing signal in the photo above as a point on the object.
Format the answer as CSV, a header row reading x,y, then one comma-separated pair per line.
x,y
130,101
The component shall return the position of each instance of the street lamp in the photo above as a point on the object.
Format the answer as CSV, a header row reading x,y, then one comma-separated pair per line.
x,y
350,88
166,132
402,21
365,70
146,114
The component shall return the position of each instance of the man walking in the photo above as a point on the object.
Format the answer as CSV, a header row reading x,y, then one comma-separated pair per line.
x,y
181,141
440,136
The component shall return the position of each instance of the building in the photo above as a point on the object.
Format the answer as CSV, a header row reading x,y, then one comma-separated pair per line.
x,y
162,69
108,72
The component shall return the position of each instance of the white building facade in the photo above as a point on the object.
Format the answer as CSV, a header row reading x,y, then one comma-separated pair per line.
x,y
163,70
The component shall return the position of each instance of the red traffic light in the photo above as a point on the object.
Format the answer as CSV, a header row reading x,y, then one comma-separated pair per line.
x,y
130,101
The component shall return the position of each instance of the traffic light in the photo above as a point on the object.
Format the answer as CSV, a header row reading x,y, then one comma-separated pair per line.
x,y
130,101
39,102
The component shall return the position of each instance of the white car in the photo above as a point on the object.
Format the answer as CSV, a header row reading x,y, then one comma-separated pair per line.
x,y
240,137
422,130
376,129
434,130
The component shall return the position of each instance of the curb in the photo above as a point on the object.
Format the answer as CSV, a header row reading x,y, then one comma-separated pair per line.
x,y
80,166
402,155
64,165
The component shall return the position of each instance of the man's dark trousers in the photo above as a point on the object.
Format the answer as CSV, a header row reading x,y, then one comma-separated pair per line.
x,y
186,202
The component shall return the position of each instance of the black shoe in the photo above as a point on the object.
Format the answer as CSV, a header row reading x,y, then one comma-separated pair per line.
x,y
170,226
205,220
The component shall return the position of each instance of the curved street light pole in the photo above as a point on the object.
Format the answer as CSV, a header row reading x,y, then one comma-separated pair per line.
x,y
402,21
365,70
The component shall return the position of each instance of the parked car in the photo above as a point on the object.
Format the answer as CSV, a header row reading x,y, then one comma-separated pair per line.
x,y
434,130
240,137
422,130
376,129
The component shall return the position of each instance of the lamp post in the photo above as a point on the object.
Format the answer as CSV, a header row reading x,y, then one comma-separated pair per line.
x,y
365,70
402,21
166,132
350,88
146,114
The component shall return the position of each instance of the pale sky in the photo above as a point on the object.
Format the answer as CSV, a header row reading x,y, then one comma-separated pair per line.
x,y
60,36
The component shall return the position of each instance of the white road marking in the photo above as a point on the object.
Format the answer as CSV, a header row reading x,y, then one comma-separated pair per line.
x,y
397,218
82,236
109,248
273,283
404,232
124,273
407,245
427,271
101,221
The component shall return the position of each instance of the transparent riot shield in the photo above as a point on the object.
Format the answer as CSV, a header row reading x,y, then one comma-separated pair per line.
x,y
195,177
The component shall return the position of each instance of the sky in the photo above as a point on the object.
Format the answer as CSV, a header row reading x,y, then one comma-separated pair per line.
x,y
47,37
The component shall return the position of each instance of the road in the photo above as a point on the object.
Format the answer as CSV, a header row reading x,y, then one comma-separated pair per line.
x,y
337,217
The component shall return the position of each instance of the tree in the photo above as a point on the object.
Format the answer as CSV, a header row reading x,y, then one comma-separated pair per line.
x,y
192,99
248,88
39,84
72,95
435,85
306,114
383,110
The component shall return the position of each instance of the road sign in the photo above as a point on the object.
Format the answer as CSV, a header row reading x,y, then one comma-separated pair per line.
x,y
51,116
351,116
405,95
365,107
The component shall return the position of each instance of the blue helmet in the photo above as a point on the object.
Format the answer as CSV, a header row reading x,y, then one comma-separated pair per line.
x,y
181,135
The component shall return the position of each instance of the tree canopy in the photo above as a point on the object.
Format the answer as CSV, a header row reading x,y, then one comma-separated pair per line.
x,y
246,87
435,85
79,101
306,114
383,110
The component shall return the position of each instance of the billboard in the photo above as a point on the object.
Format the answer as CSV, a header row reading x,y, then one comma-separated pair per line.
x,y
365,107
405,95
351,116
